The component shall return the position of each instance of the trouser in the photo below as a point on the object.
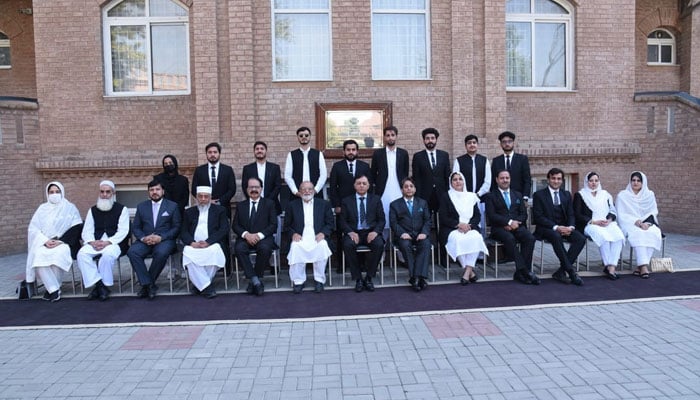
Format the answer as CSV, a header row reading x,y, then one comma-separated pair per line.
x,y
297,272
52,276
567,258
92,272
372,259
201,275
416,260
610,252
139,251
642,254
510,240
263,251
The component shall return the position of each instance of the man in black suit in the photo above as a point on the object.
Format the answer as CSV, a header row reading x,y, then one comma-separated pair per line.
x,y
362,223
507,214
343,174
517,164
305,164
204,231
268,172
218,175
553,213
310,241
255,224
410,221
431,169
156,226
389,167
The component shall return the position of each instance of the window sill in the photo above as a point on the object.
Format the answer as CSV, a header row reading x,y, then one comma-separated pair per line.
x,y
540,90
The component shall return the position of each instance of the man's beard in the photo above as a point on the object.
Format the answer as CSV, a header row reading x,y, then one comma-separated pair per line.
x,y
203,208
105,204
430,145
307,197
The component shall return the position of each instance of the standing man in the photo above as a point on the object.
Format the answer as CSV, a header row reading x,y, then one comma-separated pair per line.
x,y
218,175
309,222
156,226
204,231
389,168
553,213
269,174
305,164
362,223
477,173
410,221
343,174
255,224
507,214
517,164
105,234
431,170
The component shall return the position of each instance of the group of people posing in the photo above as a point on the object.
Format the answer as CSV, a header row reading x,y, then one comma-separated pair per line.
x,y
369,205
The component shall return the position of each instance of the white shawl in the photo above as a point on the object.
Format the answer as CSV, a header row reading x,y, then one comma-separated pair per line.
x,y
600,204
463,200
632,207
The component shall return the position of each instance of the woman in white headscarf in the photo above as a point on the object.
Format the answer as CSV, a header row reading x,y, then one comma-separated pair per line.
x,y
459,226
638,217
595,216
55,226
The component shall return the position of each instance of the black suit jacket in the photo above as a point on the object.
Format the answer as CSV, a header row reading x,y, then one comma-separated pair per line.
x,y
342,183
379,171
449,217
543,210
429,179
323,218
217,225
520,179
272,185
225,187
265,220
375,214
498,214
404,222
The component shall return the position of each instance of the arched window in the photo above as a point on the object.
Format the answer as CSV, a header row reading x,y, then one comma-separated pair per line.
x,y
146,47
539,45
4,51
661,48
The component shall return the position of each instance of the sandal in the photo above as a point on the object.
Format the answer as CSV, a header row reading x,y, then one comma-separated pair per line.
x,y
611,275
643,275
636,273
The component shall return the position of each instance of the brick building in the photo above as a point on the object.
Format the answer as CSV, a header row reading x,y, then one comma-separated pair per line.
x,y
93,89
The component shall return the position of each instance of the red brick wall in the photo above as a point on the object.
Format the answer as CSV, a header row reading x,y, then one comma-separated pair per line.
x,y
20,80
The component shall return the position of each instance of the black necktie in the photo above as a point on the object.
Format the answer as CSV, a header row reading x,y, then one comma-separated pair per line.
x,y
508,163
363,212
432,159
253,212
556,198
350,168
213,176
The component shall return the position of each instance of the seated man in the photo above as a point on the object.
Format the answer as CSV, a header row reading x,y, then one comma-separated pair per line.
x,y
507,214
105,234
553,213
409,217
254,224
204,231
362,221
309,221
156,226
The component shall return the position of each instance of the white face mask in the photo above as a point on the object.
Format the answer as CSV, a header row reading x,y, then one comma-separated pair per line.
x,y
54,198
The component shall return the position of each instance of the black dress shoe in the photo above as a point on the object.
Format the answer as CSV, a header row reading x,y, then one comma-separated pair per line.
x,y
318,287
250,289
259,289
298,288
152,291
359,286
103,292
414,284
534,279
209,292
143,292
369,286
195,291
575,279
474,278
560,276
94,294
611,275
422,284
521,277
463,282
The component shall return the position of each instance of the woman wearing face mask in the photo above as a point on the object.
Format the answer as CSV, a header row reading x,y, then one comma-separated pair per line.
x,y
55,226
176,186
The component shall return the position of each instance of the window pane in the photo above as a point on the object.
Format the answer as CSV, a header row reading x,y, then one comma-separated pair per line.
x,y
129,69
3,36
169,53
550,52
548,7
666,52
399,46
166,8
518,54
302,4
302,46
518,6
659,35
5,56
652,53
398,4
129,8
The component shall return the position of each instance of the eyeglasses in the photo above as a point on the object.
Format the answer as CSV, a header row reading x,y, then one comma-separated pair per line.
x,y
304,135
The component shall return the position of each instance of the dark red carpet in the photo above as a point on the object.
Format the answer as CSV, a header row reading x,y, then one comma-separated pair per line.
x,y
277,305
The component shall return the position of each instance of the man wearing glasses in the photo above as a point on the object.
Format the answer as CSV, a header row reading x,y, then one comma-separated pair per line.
x,y
517,164
305,164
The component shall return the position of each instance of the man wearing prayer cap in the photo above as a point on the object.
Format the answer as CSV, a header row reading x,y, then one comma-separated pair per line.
x,y
204,231
105,235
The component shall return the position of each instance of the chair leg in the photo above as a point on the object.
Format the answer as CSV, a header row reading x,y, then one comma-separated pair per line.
x,y
432,258
275,261
119,270
343,264
72,276
238,281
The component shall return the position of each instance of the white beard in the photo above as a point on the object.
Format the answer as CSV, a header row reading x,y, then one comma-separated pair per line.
x,y
307,197
203,209
105,204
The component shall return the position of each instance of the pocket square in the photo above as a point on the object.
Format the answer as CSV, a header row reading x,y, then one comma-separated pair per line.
x,y
517,201
165,214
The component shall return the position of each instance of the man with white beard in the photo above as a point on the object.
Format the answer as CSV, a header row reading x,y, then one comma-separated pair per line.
x,y
105,230
204,231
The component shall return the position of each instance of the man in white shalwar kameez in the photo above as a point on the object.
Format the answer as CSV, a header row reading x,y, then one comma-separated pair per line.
x,y
204,231
310,222
106,227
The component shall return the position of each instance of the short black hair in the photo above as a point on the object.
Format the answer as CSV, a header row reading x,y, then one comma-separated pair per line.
x,y
213,144
155,182
302,129
257,179
408,179
350,141
391,128
471,137
361,176
555,171
428,131
260,142
506,134
502,170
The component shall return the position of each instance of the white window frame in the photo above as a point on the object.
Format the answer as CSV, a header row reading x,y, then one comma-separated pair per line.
x,y
662,42
148,22
533,18
273,14
426,13
6,44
